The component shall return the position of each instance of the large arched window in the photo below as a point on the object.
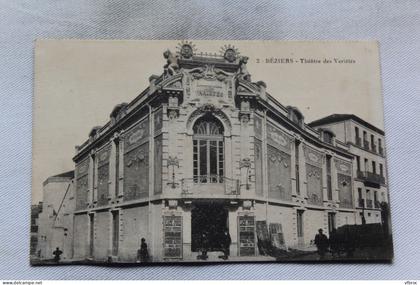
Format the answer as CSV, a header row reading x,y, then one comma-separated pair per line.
x,y
208,150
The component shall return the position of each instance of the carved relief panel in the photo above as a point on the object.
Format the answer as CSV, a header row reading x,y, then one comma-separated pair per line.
x,y
278,138
208,84
82,184
345,193
136,162
279,174
314,180
103,175
258,127
137,135
158,121
314,160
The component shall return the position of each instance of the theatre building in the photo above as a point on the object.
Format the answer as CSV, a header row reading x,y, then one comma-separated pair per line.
x,y
202,150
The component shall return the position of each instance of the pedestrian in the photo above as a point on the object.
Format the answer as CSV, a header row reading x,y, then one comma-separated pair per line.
x,y
225,243
57,252
204,245
143,253
321,242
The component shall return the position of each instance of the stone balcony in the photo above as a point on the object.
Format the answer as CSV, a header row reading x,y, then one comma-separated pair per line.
x,y
366,145
370,178
374,147
209,186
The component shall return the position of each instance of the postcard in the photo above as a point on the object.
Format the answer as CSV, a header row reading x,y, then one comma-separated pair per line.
x,y
208,151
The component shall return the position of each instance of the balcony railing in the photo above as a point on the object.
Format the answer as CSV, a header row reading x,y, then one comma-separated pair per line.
x,y
366,145
374,147
370,177
361,203
369,203
359,141
211,184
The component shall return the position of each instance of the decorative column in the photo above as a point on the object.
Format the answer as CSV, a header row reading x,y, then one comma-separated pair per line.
x,y
120,176
93,173
264,156
334,181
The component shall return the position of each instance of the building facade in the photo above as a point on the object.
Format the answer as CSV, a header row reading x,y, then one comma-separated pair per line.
x,y
366,142
203,150
35,212
56,219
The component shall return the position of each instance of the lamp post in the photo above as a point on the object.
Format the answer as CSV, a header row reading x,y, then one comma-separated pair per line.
x,y
246,163
173,161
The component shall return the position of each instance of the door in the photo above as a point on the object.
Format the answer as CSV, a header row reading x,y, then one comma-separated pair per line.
x,y
208,223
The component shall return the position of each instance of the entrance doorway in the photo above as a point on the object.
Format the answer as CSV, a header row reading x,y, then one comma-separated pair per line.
x,y
208,219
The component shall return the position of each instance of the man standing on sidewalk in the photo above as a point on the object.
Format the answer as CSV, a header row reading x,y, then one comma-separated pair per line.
x,y
321,242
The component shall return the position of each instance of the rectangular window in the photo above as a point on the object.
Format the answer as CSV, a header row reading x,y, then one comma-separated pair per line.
x,y
358,162
356,130
372,140
297,143
373,167
381,169
329,185
208,161
221,160
195,160
115,232
360,197
366,164
203,161
213,161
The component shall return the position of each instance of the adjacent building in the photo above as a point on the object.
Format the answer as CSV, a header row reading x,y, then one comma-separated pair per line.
x,y
204,150
366,142
35,211
56,219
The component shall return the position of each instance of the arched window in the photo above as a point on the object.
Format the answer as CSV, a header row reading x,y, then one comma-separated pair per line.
x,y
208,150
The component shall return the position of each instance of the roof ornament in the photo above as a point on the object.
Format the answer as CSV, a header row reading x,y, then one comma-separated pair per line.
x,y
229,53
243,70
186,49
171,67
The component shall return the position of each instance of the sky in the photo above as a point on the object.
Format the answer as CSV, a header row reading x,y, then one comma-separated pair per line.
x,y
78,82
